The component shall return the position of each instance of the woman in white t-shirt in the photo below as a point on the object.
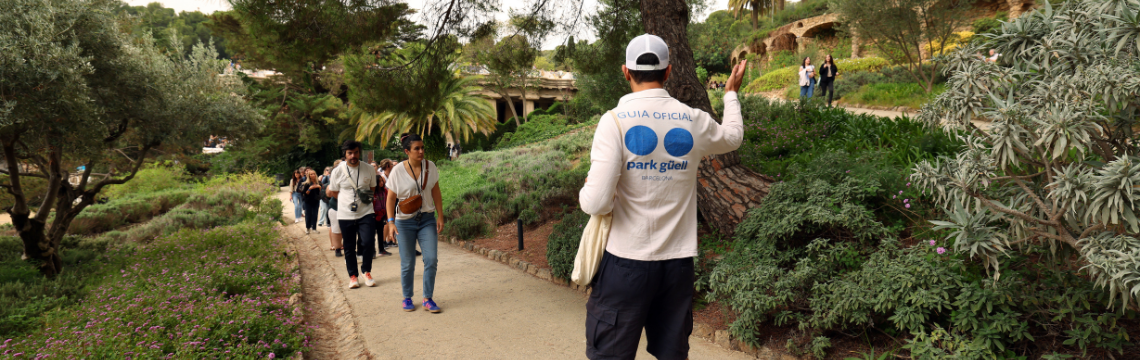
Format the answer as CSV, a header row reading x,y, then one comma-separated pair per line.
x,y
415,177
807,79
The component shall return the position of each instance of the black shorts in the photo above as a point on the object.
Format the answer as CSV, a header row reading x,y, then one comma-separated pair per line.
x,y
629,295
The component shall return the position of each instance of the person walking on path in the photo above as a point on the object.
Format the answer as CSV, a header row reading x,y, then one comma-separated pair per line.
x,y
414,178
336,239
324,210
312,198
827,73
643,170
379,204
351,184
384,168
807,79
294,186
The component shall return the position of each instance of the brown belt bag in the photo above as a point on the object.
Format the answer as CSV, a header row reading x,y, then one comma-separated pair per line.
x,y
413,203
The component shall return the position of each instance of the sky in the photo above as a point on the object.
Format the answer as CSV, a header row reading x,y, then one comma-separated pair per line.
x,y
209,6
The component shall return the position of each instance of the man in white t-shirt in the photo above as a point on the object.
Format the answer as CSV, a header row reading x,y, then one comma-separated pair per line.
x,y
354,211
643,170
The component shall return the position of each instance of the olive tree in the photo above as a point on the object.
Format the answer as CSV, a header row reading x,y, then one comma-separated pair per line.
x,y
1057,167
77,92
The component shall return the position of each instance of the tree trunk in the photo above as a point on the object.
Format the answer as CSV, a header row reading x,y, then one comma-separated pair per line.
x,y
37,245
726,189
755,18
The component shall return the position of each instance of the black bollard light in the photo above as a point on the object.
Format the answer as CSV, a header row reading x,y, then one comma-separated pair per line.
x,y
520,235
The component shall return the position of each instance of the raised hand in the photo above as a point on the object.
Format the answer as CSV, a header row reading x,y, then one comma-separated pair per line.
x,y
737,77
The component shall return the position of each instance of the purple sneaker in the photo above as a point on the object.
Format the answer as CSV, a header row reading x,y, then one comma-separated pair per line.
x,y
431,307
408,305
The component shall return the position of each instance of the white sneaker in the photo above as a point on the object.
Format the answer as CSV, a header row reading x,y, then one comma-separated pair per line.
x,y
306,231
352,284
368,280
316,231
296,220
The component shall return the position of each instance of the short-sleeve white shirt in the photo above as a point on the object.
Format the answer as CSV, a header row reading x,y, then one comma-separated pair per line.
x,y
343,179
404,185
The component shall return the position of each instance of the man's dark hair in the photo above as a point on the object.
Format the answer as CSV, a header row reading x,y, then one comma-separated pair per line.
x,y
643,76
350,145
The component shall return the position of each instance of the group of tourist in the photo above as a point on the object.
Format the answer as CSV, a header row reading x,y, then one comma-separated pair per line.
x,y
716,85
827,73
373,206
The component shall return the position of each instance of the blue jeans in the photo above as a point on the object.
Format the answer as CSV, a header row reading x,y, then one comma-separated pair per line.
x,y
409,232
805,92
324,211
811,89
298,204
353,231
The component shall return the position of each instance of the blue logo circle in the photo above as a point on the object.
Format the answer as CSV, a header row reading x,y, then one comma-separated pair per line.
x,y
678,142
641,140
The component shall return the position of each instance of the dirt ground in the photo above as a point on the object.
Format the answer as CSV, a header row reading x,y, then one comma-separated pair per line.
x,y
506,239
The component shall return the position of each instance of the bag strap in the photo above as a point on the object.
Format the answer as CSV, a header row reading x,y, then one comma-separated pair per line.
x,y
423,172
621,132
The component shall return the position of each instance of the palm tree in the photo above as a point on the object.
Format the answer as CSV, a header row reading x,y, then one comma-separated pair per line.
x,y
757,6
458,113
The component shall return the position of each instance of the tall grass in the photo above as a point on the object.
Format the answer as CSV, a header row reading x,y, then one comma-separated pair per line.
x,y
910,94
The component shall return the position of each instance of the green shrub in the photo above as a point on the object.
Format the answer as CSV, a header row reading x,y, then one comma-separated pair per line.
x,y
468,226
526,178
126,209
34,189
152,178
27,294
820,254
537,128
778,134
562,244
990,24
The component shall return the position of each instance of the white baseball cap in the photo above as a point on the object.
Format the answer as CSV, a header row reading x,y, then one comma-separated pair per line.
x,y
647,44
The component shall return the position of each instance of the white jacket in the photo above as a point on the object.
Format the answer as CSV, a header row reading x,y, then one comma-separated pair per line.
x,y
646,172
806,73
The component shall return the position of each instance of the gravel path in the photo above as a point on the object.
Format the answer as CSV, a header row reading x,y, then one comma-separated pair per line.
x,y
490,311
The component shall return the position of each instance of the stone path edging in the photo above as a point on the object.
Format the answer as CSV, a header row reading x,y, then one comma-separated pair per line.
x,y
324,295
719,337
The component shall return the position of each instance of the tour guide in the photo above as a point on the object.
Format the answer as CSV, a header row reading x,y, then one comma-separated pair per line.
x,y
353,184
644,170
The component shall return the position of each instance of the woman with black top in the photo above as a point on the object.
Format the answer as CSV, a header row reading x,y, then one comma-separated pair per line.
x,y
312,199
827,74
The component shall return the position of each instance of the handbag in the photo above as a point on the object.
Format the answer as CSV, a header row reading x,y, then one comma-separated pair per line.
x,y
413,203
593,244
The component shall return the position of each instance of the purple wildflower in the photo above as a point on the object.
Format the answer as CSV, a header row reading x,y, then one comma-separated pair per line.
x,y
941,250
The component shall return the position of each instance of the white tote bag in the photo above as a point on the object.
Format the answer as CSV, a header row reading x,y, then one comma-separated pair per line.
x,y
593,243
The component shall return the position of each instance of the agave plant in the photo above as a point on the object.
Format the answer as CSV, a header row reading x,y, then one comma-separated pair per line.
x,y
459,112
1058,166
